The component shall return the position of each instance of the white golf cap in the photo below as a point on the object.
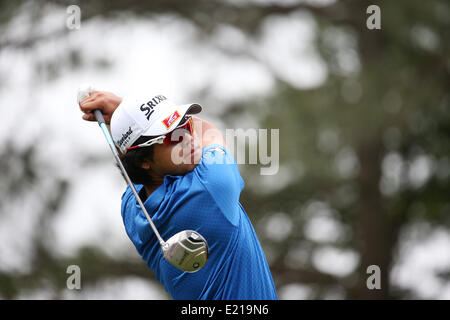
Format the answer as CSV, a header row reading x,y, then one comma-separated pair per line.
x,y
154,116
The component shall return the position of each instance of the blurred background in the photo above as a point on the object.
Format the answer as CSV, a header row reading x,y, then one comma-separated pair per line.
x,y
364,120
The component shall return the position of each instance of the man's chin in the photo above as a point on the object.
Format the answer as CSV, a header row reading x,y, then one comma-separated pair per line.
x,y
192,167
184,169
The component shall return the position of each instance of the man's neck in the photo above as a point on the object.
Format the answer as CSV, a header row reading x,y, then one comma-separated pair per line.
x,y
149,189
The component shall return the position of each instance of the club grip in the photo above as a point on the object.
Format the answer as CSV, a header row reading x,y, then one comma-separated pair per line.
x,y
99,117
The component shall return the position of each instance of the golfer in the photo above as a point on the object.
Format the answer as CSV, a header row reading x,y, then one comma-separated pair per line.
x,y
187,179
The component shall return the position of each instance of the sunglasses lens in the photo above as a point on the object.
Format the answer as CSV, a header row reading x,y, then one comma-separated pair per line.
x,y
186,125
169,140
191,125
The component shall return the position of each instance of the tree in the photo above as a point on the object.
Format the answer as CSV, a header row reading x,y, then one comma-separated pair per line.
x,y
362,149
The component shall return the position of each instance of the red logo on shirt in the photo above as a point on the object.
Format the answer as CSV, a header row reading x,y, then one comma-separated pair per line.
x,y
171,119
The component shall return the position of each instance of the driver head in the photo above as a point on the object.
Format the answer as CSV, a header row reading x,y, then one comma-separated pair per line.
x,y
187,250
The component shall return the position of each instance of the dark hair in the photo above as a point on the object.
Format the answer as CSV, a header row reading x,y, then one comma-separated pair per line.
x,y
133,160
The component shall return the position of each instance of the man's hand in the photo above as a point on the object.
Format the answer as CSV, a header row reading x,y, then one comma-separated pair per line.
x,y
106,102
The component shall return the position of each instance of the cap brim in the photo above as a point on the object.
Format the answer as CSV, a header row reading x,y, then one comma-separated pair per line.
x,y
185,109
194,109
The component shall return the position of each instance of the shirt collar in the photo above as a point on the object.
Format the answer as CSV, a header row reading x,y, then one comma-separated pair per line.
x,y
153,201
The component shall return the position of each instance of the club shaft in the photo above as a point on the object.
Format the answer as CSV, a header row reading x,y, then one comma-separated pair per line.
x,y
108,137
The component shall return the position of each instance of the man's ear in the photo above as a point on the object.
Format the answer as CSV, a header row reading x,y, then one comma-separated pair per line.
x,y
145,165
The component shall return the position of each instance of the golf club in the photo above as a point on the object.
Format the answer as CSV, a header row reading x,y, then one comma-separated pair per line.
x,y
187,250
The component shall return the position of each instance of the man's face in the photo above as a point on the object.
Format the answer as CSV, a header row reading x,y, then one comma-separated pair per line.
x,y
176,159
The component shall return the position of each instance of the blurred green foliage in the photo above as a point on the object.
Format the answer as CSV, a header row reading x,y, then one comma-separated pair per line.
x,y
337,141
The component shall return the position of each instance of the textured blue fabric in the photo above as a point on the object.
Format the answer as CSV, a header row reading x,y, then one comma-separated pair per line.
x,y
205,200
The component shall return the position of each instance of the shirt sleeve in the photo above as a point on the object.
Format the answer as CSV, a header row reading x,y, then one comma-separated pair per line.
x,y
219,174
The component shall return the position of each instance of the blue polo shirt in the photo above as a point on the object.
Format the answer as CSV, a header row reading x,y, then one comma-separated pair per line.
x,y
205,200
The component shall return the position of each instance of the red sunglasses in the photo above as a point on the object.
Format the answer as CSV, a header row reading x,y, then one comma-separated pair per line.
x,y
166,140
